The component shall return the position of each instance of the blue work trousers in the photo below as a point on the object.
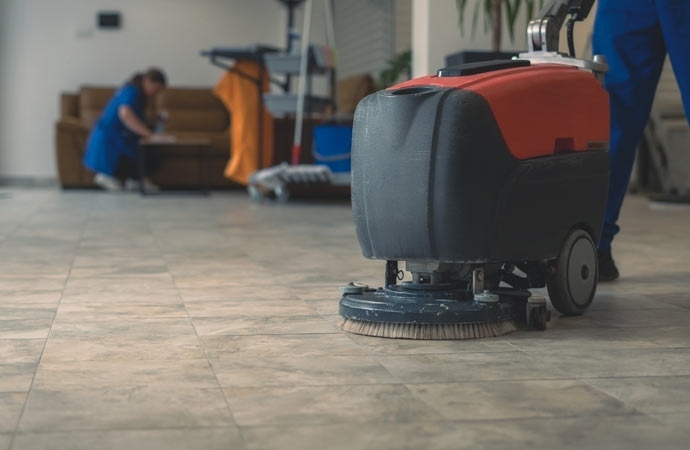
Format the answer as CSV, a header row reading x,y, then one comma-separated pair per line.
x,y
635,36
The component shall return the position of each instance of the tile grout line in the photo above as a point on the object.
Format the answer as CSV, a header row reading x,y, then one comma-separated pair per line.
x,y
384,422
191,322
52,323
370,354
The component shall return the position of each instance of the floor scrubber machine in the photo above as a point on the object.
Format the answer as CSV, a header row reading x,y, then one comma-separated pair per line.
x,y
487,180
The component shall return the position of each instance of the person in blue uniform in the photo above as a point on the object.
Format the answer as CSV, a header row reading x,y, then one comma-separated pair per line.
x,y
112,150
635,36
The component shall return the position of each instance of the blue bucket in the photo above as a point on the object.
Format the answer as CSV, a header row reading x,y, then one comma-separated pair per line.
x,y
332,147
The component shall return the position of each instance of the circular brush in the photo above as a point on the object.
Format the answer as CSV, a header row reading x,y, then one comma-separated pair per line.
x,y
430,331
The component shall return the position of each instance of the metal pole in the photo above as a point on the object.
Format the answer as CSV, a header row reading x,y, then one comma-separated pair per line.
x,y
330,41
302,83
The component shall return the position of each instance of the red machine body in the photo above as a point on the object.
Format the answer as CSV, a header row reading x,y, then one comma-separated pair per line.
x,y
540,109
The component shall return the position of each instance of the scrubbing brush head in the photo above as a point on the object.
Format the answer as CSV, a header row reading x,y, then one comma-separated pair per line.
x,y
430,331
448,308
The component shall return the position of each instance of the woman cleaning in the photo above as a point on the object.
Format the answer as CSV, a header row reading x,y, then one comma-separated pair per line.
x,y
113,151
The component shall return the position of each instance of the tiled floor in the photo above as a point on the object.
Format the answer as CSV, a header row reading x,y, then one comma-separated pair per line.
x,y
209,323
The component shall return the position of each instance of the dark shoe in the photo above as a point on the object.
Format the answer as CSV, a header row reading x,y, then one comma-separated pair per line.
x,y
607,267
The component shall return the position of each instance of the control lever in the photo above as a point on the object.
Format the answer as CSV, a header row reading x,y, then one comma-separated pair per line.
x,y
543,32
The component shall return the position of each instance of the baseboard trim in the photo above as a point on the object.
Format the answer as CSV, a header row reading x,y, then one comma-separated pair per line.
x,y
29,182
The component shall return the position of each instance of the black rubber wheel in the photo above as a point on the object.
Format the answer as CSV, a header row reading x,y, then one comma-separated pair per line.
x,y
574,282
538,318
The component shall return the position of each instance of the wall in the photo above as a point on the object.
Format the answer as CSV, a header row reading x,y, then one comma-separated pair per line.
x,y
41,55
403,25
369,33
365,35
435,33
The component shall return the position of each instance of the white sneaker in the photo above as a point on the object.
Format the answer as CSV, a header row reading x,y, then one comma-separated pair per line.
x,y
132,185
150,186
107,182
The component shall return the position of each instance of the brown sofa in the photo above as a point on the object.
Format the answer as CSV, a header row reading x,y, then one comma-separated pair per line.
x,y
193,113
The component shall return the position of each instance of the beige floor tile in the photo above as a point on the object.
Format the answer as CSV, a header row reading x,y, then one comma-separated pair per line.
x,y
671,337
380,346
597,338
133,328
324,293
148,282
294,345
121,293
10,282
215,294
128,297
246,325
16,377
296,371
615,302
21,350
93,311
637,432
124,408
681,300
204,281
651,395
304,405
10,310
593,363
119,348
679,421
11,404
125,267
328,306
5,441
501,400
233,307
468,367
668,317
358,436
61,376
25,328
31,296
183,439
262,284
90,264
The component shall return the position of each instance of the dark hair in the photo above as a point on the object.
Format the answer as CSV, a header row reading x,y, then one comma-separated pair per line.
x,y
154,75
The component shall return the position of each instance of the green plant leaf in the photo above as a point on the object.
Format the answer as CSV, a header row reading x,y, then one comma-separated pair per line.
x,y
475,17
512,10
461,5
488,13
400,64
530,9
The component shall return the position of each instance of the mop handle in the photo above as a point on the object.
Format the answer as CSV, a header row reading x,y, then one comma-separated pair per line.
x,y
302,84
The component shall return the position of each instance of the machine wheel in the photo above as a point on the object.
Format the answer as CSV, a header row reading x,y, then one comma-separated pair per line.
x,y
282,194
255,194
572,286
538,315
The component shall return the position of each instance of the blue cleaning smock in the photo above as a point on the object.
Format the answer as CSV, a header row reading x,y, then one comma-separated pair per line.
x,y
635,36
110,139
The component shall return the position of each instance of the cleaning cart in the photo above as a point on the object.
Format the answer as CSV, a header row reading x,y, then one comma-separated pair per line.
x,y
311,60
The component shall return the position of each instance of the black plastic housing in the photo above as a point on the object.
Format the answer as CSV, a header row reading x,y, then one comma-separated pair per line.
x,y
433,180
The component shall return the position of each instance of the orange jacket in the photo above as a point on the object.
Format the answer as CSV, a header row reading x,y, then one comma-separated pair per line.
x,y
239,96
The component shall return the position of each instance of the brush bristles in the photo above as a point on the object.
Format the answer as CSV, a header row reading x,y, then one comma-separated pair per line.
x,y
424,331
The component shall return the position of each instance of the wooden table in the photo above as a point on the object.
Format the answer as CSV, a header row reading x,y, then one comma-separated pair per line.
x,y
179,148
